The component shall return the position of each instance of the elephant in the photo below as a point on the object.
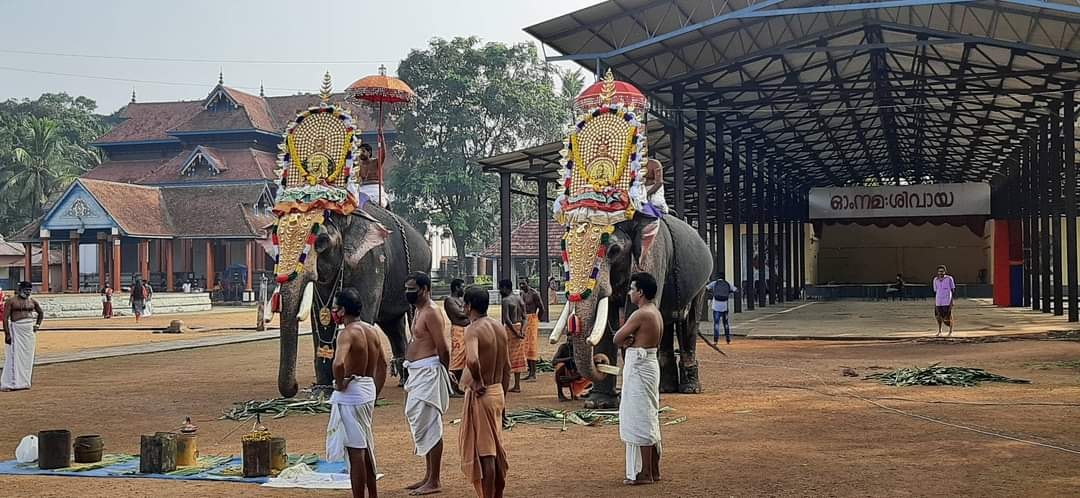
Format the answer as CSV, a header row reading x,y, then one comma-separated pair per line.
x,y
681,263
372,250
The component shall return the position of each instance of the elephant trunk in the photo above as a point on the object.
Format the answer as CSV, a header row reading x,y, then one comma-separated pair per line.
x,y
589,317
291,295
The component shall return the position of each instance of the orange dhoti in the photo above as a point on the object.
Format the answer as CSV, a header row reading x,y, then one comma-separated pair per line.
x,y
532,333
480,435
517,352
457,348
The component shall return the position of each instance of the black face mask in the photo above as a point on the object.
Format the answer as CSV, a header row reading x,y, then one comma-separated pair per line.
x,y
412,296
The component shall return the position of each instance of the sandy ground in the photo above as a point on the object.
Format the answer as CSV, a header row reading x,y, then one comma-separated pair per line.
x,y
758,430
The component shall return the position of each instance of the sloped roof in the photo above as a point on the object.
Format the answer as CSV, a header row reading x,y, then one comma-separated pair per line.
x,y
150,121
131,171
215,210
236,164
136,208
525,241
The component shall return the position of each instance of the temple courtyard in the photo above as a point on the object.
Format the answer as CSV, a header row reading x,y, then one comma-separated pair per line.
x,y
778,417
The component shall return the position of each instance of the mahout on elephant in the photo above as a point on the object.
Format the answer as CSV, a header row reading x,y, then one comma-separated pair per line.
x,y
613,231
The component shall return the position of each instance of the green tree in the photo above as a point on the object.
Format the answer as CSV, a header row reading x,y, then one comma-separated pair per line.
x,y
571,83
43,164
475,100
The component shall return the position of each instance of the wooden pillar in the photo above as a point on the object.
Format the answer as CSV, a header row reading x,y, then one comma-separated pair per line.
x,y
28,263
209,264
116,266
1069,155
719,205
678,139
170,283
506,262
750,289
75,262
736,222
102,248
64,268
144,256
250,264
45,265
543,215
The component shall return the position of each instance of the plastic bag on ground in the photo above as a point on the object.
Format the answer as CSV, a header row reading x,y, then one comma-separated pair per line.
x,y
27,451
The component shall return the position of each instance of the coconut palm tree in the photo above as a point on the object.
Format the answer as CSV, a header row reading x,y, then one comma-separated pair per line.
x,y
570,85
43,163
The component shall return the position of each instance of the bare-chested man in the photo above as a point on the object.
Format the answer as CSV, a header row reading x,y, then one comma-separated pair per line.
x,y
370,182
534,307
20,330
513,317
454,306
487,375
359,374
654,185
428,385
639,422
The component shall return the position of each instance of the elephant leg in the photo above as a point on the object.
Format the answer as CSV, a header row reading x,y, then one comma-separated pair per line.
x,y
325,341
394,329
669,370
689,382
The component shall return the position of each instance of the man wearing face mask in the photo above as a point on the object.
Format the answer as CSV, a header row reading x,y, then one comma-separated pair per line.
x,y
428,385
20,328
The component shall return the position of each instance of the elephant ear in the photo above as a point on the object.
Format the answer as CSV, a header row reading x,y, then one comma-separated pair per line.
x,y
374,236
643,236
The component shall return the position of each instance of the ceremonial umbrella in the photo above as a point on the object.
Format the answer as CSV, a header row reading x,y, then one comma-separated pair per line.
x,y
384,92
610,91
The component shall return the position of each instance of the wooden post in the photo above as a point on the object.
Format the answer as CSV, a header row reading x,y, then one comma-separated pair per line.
x,y
144,255
101,249
170,284
209,264
63,268
116,266
45,265
249,258
75,262
28,263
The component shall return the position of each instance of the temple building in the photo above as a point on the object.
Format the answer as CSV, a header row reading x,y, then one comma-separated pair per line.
x,y
184,195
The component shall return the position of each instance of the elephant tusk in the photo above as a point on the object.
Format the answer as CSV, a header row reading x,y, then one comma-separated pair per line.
x,y
560,324
305,302
601,322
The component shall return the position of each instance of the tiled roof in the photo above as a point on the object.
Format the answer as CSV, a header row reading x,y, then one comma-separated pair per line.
x,y
237,164
213,210
132,171
525,241
136,208
151,121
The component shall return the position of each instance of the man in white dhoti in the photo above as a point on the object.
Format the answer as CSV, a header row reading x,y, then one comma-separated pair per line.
x,y
639,421
371,182
20,330
654,189
359,375
428,386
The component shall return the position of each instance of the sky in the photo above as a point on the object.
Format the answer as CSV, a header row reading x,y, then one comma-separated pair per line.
x,y
246,40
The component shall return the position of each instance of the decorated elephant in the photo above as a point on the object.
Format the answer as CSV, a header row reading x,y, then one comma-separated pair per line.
x,y
328,236
613,231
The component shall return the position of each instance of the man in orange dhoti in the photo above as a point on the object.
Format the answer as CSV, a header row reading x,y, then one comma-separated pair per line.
x,y
534,308
513,318
455,312
487,375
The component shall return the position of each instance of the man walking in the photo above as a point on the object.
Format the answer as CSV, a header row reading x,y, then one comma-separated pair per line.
x,y
943,298
428,385
454,306
359,375
721,292
20,330
513,317
487,375
639,420
534,307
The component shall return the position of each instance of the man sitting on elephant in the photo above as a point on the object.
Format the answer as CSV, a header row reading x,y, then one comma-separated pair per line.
x,y
428,385
639,422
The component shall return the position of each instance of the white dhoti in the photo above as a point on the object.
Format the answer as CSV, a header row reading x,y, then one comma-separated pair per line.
x,y
372,190
428,397
639,420
350,421
19,355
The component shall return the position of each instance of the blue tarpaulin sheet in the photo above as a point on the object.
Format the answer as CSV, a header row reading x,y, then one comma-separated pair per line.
x,y
130,468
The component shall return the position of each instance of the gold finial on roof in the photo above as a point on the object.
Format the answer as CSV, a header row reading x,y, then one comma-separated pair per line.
x,y
262,90
327,88
220,77
382,69
607,92
132,95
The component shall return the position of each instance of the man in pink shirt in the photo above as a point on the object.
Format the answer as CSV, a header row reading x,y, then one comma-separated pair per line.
x,y
943,298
